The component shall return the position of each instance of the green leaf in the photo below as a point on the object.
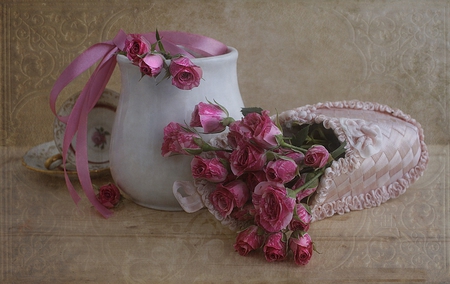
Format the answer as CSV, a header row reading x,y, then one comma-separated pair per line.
x,y
247,110
308,209
227,121
312,180
291,193
284,238
271,156
295,234
300,137
199,141
152,47
160,45
193,152
314,248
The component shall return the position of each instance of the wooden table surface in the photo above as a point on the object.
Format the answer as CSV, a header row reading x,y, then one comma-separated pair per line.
x,y
45,238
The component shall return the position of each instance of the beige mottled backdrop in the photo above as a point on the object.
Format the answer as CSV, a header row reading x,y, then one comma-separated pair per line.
x,y
291,53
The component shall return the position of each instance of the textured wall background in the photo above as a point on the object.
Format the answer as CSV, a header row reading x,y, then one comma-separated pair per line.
x,y
292,53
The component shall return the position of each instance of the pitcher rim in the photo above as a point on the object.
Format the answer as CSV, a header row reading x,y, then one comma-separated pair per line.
x,y
231,53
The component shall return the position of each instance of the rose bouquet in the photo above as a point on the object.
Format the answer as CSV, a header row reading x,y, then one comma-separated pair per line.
x,y
263,176
151,60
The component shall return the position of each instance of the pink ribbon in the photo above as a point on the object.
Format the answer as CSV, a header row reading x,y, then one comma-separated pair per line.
x,y
189,45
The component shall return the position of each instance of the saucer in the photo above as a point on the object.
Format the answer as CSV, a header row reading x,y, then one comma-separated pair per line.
x,y
37,157
99,128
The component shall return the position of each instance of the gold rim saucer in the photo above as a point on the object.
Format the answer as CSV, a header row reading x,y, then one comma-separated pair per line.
x,y
41,157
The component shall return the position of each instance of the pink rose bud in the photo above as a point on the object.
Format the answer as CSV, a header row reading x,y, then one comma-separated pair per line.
x,y
228,196
262,128
248,240
151,65
301,219
302,247
177,139
211,170
316,156
135,46
281,171
297,157
275,248
108,195
186,75
247,158
273,207
238,134
210,117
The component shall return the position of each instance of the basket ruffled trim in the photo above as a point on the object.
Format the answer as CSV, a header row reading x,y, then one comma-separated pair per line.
x,y
353,157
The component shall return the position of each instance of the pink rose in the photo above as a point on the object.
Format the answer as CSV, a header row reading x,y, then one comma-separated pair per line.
x,y
237,134
281,171
316,156
208,116
301,219
262,128
274,247
135,46
176,139
185,74
211,170
274,208
151,65
302,247
108,195
226,197
248,240
247,157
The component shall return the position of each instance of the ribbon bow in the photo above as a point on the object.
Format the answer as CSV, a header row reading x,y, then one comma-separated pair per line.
x,y
189,45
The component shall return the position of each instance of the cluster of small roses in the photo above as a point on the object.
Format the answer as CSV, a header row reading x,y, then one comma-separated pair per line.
x,y
185,74
261,180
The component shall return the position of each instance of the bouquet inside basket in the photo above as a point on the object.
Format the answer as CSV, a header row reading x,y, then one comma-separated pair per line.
x,y
269,177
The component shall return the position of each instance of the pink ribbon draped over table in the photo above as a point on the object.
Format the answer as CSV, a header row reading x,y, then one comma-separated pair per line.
x,y
174,42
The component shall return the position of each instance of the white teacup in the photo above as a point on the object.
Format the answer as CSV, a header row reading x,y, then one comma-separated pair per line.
x,y
99,128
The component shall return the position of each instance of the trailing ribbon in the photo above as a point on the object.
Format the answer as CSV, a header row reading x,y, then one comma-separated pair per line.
x,y
189,45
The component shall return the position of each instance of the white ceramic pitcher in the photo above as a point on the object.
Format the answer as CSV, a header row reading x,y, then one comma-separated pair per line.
x,y
145,107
